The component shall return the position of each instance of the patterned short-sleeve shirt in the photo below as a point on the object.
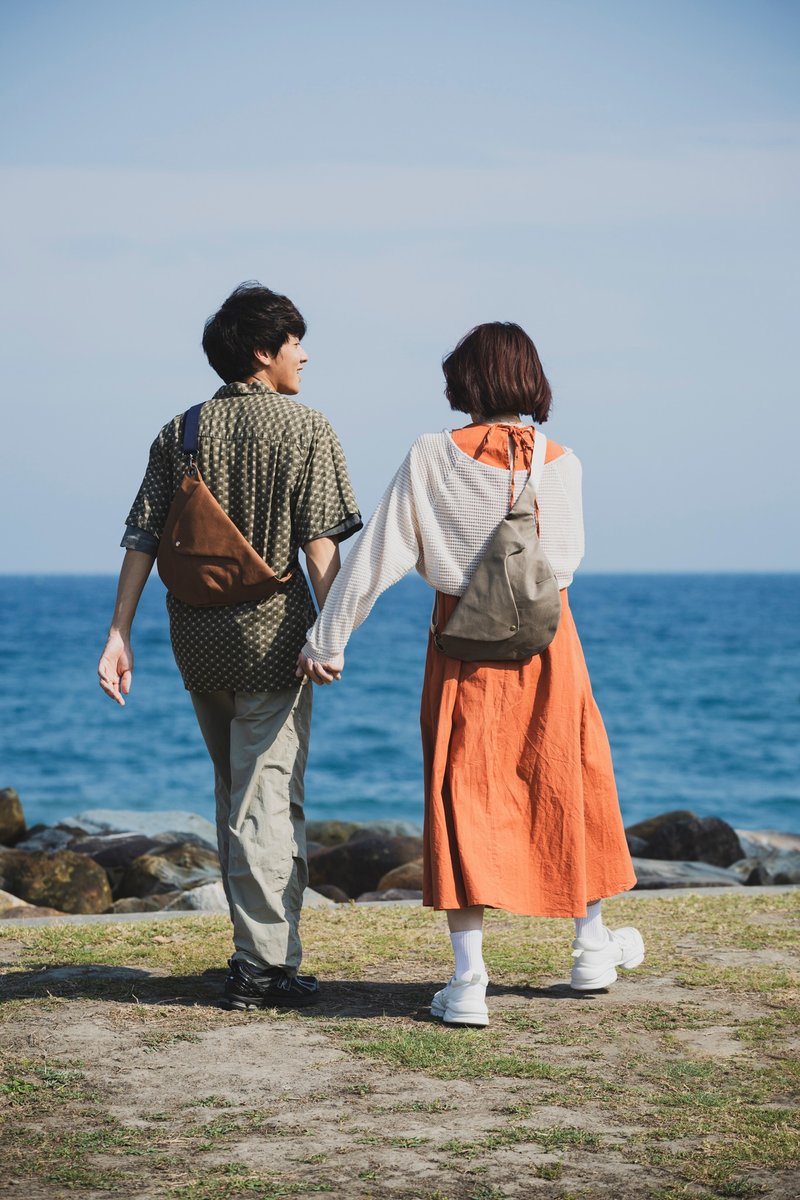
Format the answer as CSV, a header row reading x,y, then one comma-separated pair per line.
x,y
278,470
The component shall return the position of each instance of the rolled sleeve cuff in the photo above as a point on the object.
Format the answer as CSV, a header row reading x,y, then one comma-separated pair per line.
x,y
317,655
139,539
345,529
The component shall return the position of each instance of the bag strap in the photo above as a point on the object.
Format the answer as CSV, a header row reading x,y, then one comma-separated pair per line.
x,y
537,461
191,425
534,479
189,440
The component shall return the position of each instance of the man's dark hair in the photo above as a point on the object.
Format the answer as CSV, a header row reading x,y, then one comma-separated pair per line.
x,y
495,369
252,318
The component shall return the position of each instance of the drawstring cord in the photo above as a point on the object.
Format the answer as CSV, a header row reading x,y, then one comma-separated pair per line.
x,y
520,438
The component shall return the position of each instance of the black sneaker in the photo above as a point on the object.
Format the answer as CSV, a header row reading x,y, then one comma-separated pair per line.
x,y
249,987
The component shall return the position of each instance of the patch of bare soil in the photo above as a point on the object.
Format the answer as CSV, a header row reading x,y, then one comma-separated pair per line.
x,y
211,1098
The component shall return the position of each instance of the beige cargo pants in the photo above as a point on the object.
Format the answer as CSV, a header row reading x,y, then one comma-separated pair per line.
x,y
258,742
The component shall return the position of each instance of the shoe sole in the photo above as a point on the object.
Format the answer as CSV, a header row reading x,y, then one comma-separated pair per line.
x,y
477,1020
604,981
249,1003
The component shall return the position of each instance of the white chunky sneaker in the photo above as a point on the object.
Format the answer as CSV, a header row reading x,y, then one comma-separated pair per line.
x,y
462,1001
595,966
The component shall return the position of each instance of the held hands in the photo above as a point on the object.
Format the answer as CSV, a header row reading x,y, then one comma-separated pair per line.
x,y
319,672
115,668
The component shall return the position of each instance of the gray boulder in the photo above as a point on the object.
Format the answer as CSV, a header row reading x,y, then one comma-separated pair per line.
x,y
694,839
331,833
115,849
636,845
755,875
756,842
136,904
208,897
652,873
387,829
358,866
172,869
332,892
8,900
12,818
26,911
773,867
314,899
48,839
107,820
390,894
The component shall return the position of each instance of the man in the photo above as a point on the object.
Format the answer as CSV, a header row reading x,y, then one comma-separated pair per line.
x,y
278,471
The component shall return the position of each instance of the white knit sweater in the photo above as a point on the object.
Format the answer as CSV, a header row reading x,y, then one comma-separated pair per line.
x,y
438,515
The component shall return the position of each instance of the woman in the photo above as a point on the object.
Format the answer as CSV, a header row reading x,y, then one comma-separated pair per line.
x,y
521,809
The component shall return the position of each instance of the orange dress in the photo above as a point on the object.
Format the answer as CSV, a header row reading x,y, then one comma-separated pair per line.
x,y
521,808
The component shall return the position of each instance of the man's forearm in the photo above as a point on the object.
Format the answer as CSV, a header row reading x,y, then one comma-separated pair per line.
x,y
136,568
323,562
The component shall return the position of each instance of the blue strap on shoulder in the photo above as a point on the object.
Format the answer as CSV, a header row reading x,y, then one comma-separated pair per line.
x,y
191,424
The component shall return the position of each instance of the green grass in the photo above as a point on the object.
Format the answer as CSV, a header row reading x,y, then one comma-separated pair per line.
x,y
439,1051
420,1106
346,943
225,1183
698,1125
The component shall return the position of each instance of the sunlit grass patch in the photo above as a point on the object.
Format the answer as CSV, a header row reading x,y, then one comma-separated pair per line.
x,y
440,1051
751,978
234,1180
684,1074
25,1082
769,1028
348,942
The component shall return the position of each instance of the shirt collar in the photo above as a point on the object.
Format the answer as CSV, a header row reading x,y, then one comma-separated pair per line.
x,y
256,388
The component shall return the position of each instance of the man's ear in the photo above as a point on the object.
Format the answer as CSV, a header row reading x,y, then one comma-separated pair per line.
x,y
262,357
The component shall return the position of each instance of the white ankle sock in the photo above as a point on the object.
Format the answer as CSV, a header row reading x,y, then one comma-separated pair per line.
x,y
590,929
468,949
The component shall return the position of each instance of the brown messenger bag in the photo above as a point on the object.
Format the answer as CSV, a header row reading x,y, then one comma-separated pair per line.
x,y
203,559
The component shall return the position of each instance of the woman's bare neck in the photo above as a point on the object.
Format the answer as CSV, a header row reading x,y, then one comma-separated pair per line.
x,y
502,419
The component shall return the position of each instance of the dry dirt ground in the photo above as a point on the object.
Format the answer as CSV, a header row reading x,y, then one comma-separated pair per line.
x,y
121,1076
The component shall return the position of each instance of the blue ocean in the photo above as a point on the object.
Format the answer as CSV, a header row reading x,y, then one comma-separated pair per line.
x,y
697,677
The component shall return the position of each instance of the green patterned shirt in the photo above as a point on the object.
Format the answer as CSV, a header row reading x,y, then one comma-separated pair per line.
x,y
279,472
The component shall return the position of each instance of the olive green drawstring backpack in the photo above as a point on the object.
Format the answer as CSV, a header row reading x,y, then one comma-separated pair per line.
x,y
511,607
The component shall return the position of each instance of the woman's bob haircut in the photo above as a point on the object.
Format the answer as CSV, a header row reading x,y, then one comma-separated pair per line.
x,y
495,369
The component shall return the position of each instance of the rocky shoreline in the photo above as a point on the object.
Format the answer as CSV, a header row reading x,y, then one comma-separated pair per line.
x,y
100,861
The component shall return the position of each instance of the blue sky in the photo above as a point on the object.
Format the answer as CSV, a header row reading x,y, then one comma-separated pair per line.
x,y
620,178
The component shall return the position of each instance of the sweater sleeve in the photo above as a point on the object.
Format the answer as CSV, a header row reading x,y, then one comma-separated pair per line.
x,y
387,550
561,515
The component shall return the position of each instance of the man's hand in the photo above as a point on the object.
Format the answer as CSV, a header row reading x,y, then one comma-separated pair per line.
x,y
115,668
116,662
319,672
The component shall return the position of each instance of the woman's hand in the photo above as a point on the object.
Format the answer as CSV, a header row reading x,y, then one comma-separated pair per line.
x,y
328,672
